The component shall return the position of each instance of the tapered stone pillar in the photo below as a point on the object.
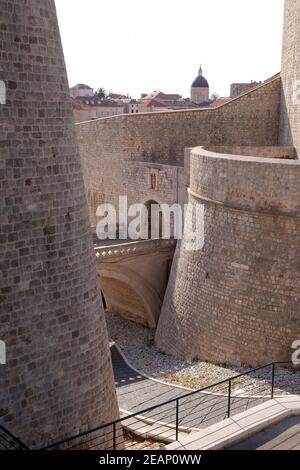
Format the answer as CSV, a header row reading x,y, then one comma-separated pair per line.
x,y
58,378
290,76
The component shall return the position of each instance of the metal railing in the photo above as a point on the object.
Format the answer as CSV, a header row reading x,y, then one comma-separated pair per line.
x,y
153,427
9,442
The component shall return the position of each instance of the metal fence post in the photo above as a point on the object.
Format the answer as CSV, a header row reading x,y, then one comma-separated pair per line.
x,y
273,381
114,430
177,419
229,399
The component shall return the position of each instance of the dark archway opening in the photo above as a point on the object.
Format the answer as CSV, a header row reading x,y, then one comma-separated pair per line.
x,y
153,206
103,300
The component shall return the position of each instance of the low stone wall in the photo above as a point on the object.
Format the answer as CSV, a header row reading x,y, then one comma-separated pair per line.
x,y
237,300
262,152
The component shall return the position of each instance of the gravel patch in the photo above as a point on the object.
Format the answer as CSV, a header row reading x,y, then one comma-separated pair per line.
x,y
132,442
138,345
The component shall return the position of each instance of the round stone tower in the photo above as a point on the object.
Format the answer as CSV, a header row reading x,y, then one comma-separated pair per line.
x,y
200,89
236,300
58,378
290,76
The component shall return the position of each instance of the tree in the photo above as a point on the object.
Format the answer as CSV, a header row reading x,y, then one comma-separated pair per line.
x,y
214,96
101,93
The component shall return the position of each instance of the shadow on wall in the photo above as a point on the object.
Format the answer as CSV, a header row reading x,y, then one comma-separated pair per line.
x,y
237,300
133,278
285,132
122,299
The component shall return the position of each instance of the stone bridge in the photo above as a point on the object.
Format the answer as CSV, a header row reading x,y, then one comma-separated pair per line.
x,y
133,277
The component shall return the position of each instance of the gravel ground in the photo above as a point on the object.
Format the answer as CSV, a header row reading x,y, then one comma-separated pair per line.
x,y
133,442
138,345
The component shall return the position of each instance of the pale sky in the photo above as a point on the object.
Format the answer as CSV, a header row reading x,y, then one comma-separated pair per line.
x,y
138,46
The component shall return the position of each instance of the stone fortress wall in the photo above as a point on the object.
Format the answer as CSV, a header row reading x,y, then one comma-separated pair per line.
x,y
58,378
261,152
290,74
117,152
237,300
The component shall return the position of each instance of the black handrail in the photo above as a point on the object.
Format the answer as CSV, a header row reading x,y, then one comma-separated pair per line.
x,y
171,401
13,440
229,398
16,443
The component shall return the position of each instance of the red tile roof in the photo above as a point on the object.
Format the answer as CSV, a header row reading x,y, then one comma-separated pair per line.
x,y
155,104
219,102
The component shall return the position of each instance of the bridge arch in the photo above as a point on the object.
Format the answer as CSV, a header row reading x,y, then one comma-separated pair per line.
x,y
130,296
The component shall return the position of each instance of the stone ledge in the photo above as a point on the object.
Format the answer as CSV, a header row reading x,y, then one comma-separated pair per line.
x,y
238,428
147,428
133,248
246,183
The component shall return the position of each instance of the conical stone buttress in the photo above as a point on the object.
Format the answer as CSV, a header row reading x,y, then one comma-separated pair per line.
x,y
290,76
58,378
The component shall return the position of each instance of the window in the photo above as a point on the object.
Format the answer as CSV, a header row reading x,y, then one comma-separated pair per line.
x,y
153,179
2,92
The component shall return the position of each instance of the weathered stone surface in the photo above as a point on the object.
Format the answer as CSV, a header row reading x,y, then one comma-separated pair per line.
x,y
290,102
117,153
237,300
134,278
58,378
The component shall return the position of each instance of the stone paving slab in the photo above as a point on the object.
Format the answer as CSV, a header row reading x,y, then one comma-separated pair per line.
x,y
239,428
281,436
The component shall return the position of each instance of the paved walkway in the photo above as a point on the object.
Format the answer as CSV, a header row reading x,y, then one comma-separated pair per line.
x,y
280,436
136,393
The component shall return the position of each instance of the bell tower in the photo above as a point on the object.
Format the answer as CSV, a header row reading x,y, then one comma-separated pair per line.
x,y
200,89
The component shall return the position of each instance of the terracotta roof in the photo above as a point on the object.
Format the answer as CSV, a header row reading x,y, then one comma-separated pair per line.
x,y
156,104
159,95
115,96
219,102
168,96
